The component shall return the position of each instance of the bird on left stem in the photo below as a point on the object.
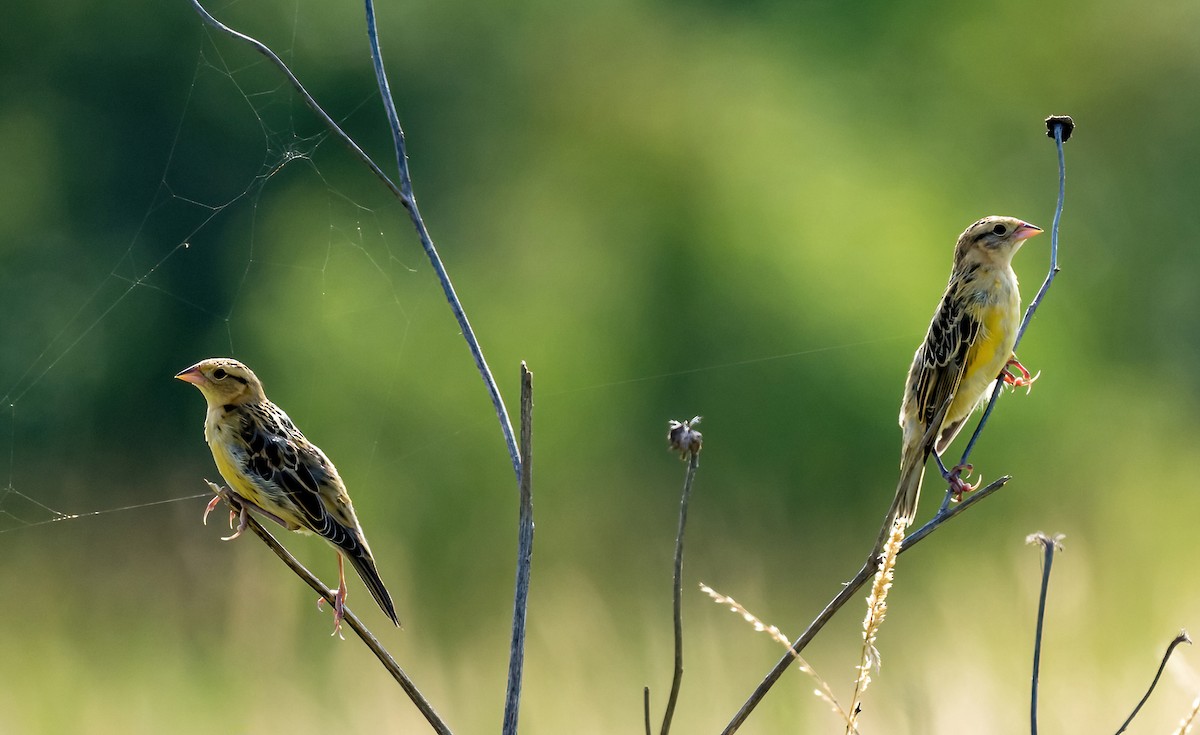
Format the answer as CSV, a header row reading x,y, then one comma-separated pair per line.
x,y
271,468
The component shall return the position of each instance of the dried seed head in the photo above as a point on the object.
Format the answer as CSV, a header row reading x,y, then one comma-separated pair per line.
x,y
1068,126
683,438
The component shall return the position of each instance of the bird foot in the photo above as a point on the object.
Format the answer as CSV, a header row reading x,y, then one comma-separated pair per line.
x,y
339,609
211,504
1021,378
242,517
959,487
236,510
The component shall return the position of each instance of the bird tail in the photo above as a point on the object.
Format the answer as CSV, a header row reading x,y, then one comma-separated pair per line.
x,y
364,564
908,490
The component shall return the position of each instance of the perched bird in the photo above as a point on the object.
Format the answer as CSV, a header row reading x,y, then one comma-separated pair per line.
x,y
968,347
272,469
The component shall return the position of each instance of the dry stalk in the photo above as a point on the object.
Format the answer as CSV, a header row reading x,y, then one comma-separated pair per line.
x,y
876,612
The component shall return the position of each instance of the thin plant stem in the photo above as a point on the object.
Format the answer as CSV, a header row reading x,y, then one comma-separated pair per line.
x,y
516,658
1049,546
368,639
646,707
677,678
682,437
1181,638
410,204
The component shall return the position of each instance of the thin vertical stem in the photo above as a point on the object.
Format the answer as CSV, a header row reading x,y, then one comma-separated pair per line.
x,y
1049,546
677,679
646,707
516,658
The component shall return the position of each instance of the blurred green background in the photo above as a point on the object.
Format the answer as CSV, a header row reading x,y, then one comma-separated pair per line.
x,y
741,210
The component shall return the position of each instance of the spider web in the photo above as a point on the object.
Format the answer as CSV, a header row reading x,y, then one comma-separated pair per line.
x,y
259,232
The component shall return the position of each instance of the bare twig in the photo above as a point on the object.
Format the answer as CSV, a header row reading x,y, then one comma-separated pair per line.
x,y
1049,546
687,441
1181,638
349,618
516,658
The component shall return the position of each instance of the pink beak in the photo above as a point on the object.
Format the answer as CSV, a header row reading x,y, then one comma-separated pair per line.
x,y
192,375
1026,231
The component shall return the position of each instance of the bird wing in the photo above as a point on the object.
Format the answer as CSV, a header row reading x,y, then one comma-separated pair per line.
x,y
295,483
279,457
941,360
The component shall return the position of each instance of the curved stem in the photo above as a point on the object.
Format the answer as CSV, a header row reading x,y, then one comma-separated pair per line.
x,y
677,678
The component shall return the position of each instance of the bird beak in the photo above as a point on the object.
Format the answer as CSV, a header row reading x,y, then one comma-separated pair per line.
x,y
1026,231
192,375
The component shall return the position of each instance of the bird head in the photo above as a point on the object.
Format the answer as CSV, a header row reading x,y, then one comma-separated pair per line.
x,y
993,239
224,381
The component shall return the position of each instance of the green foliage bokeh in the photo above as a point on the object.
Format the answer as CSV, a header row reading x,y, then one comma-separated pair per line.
x,y
739,210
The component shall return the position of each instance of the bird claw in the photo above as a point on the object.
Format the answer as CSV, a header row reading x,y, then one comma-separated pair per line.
x,y
243,521
209,508
236,510
1020,379
339,609
958,487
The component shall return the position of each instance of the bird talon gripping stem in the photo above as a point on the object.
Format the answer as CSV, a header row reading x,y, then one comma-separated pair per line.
x,y
1022,378
959,487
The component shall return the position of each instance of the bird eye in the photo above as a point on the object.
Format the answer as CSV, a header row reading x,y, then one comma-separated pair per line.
x,y
219,374
999,229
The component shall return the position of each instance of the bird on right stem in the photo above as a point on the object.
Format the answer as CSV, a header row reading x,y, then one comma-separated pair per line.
x,y
968,347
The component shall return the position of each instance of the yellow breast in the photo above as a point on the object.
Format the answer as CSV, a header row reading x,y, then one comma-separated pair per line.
x,y
998,312
219,435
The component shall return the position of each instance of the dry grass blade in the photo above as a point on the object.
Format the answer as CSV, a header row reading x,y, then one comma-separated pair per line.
x,y
823,691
